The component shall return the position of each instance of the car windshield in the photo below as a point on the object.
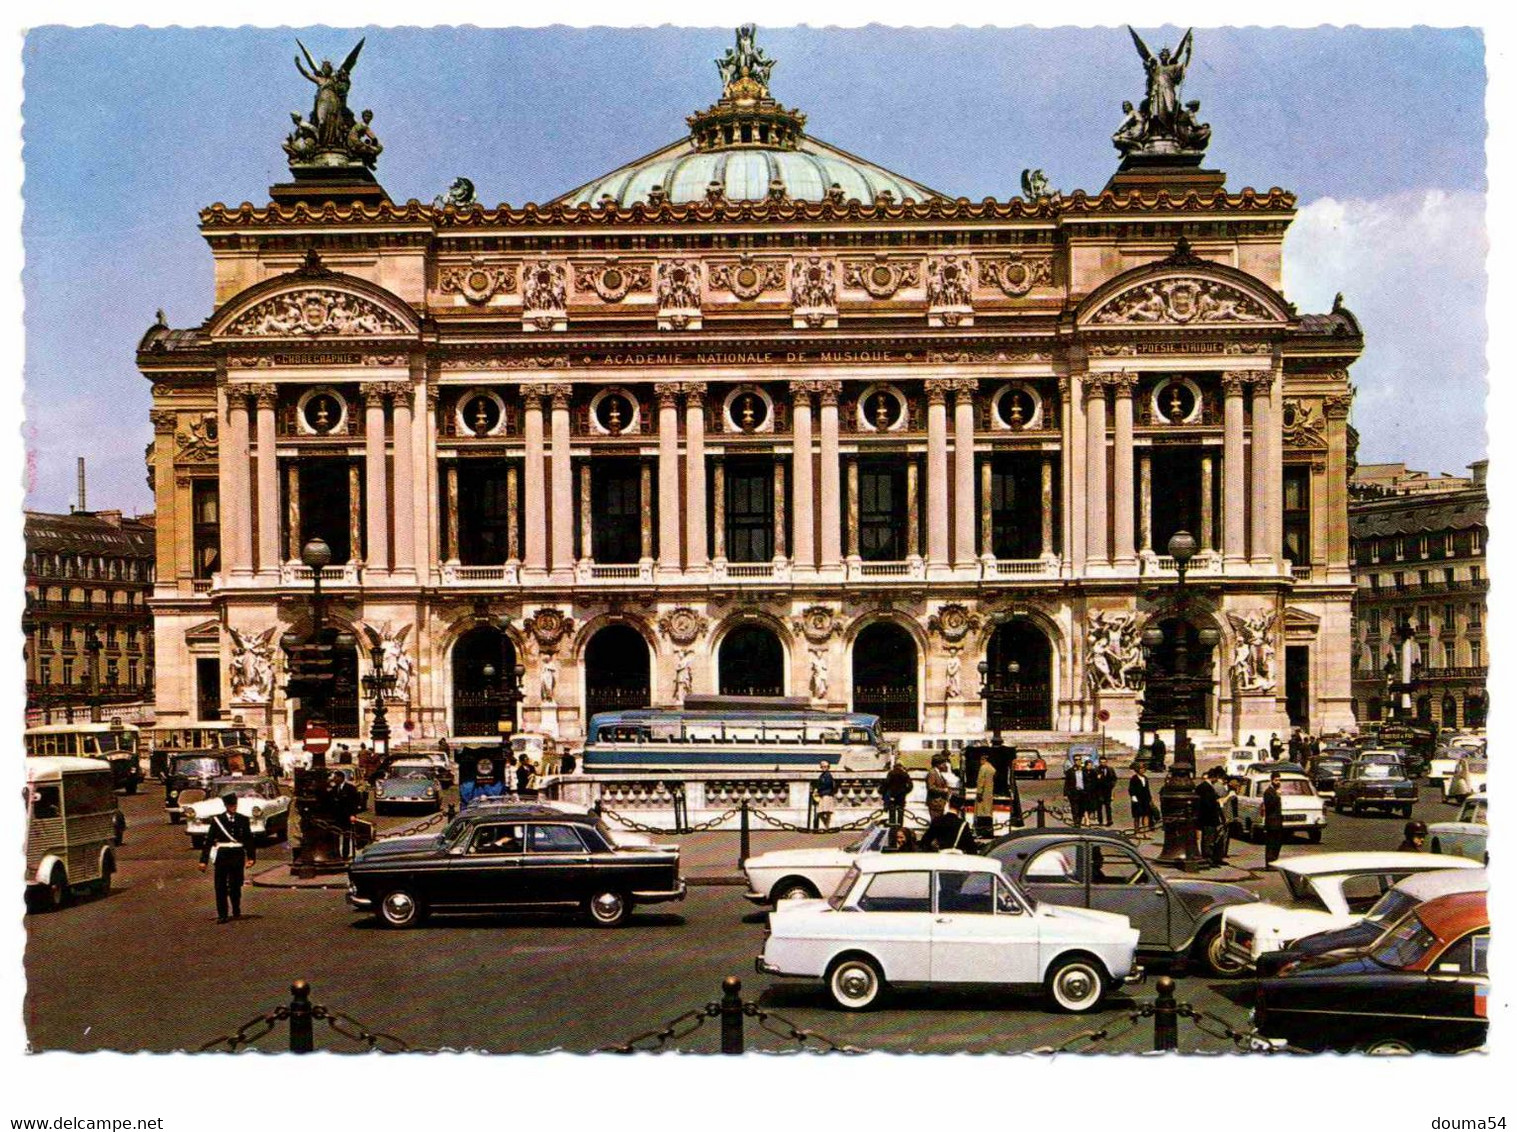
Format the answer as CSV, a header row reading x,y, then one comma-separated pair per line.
x,y
845,886
1373,770
1475,766
1403,944
1473,811
1391,907
872,840
198,766
1331,765
1298,787
245,787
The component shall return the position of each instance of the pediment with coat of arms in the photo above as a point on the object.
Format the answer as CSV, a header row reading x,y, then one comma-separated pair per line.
x,y
1181,301
315,312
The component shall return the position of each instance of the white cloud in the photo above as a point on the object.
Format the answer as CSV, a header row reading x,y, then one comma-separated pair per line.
x,y
1412,269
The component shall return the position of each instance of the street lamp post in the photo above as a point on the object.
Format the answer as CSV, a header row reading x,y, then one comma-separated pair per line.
x,y
92,647
1177,800
995,693
378,684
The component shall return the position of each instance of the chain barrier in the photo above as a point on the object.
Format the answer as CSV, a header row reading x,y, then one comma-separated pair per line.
x,y
341,1023
785,1028
639,827
412,830
1102,1034
1214,1026
243,1035
668,1032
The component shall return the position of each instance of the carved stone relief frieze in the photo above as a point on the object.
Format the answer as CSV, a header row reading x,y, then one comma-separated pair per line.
x,y
819,624
613,280
814,292
881,276
479,281
545,296
953,622
679,294
1181,301
748,278
683,626
1017,275
315,312
197,443
1302,424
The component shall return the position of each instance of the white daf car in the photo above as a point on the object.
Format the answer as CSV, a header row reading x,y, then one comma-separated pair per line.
x,y
791,874
1300,807
946,919
258,799
1330,890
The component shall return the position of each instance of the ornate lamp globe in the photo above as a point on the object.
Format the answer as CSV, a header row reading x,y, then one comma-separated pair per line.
x,y
1153,637
1209,637
1182,546
488,672
316,554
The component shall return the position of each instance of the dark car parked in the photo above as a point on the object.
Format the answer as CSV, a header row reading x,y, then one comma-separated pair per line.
x,y
1327,768
1375,784
189,776
513,858
1176,917
1423,985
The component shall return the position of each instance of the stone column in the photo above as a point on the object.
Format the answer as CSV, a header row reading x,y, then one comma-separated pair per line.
x,y
668,475
1095,470
376,494
401,403
913,509
645,501
832,519
586,545
292,500
562,555
1146,502
802,489
719,509
695,475
963,471
780,542
1234,542
1123,385
267,396
355,513
1336,409
450,543
937,472
1073,487
1204,536
534,485
987,513
853,508
1264,427
236,499
513,516
1275,446
1046,507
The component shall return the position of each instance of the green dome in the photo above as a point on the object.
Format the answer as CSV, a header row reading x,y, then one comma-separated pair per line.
x,y
752,147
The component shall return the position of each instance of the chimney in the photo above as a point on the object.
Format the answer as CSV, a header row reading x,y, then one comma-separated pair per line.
x,y
83,503
1477,472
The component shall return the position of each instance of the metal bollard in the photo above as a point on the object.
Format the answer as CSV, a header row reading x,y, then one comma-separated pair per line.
x,y
1042,815
302,1036
742,835
1166,1020
452,811
732,1015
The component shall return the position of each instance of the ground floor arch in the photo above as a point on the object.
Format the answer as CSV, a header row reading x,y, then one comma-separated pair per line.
x,y
751,662
617,670
1019,670
483,659
885,667
1475,704
342,707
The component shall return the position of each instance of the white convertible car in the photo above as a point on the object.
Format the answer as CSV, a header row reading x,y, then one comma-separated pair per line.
x,y
790,874
946,919
1330,890
258,799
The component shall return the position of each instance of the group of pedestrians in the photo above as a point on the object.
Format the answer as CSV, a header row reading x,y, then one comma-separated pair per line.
x,y
1088,787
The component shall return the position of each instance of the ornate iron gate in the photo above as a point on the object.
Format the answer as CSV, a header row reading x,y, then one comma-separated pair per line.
x,y
615,696
1021,707
895,704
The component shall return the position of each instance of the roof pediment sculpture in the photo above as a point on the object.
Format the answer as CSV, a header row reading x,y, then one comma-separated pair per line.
x,y
1183,301
544,296
331,137
814,292
1113,652
1253,659
460,195
744,68
314,312
1160,125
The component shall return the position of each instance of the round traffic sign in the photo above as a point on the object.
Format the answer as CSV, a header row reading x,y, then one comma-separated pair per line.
x,y
1103,715
317,738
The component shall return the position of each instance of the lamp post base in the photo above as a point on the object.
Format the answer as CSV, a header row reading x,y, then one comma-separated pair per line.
x,y
1177,809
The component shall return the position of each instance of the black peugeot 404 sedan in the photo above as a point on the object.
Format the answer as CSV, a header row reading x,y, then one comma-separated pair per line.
x,y
513,858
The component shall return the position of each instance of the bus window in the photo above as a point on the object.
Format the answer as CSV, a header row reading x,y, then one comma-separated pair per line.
x,y
89,793
92,746
45,801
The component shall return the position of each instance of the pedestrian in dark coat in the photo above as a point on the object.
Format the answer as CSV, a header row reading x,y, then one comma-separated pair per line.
x,y
229,846
825,787
1105,783
1209,816
1276,748
949,831
1141,796
1274,820
1077,790
895,790
1157,752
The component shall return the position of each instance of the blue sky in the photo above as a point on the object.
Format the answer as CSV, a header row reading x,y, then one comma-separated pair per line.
x,y
129,132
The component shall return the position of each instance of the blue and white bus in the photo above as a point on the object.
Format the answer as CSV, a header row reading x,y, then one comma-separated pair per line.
x,y
734,732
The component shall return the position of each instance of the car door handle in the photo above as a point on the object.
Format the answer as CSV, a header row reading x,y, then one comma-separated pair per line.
x,y
945,919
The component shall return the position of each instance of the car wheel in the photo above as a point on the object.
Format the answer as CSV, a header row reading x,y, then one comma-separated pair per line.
x,y
1337,806
107,869
1213,955
608,909
131,788
399,908
793,889
1076,983
1388,1047
1314,836
1356,809
56,893
118,835
855,982
1406,811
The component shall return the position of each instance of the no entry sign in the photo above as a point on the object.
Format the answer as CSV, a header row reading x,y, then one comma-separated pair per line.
x,y
318,738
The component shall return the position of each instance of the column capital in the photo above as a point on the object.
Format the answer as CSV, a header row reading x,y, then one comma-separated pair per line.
x,y
1336,405
1234,381
1262,380
1065,385
964,388
1122,383
434,395
164,420
266,392
560,393
374,393
668,393
938,389
830,390
1095,387
802,391
694,391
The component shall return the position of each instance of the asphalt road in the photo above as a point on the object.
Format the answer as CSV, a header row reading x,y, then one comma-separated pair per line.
x,y
148,968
